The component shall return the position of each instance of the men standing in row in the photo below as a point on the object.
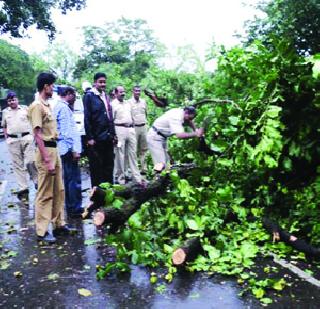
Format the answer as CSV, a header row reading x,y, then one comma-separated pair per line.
x,y
139,115
50,196
69,145
99,127
168,124
18,135
126,135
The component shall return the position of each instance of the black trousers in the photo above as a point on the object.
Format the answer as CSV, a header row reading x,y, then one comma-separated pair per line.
x,y
101,162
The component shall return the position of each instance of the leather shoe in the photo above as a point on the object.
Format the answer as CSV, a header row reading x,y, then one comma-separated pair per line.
x,y
64,230
47,239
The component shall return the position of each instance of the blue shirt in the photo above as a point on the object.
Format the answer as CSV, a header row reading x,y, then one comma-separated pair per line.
x,y
69,137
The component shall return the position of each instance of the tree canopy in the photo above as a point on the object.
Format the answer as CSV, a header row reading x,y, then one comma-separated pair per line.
x,y
16,70
18,15
294,21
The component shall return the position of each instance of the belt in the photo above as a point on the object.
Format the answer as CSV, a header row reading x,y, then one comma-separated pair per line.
x,y
124,125
18,135
140,125
158,132
50,144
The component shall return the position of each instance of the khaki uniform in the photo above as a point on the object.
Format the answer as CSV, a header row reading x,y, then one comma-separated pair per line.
x,y
170,123
20,144
50,195
126,141
139,115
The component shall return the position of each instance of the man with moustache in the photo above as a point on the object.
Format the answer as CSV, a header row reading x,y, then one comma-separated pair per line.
x,y
127,143
100,132
18,134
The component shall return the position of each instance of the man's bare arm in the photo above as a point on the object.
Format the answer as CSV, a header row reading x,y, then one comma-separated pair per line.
x,y
43,151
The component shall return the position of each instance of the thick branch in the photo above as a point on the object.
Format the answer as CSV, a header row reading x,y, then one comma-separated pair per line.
x,y
291,240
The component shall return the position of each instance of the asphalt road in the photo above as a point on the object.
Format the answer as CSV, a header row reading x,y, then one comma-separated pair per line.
x,y
49,277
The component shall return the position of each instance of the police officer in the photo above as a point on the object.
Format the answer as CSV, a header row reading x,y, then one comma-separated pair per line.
x,y
18,134
126,135
50,196
169,124
139,115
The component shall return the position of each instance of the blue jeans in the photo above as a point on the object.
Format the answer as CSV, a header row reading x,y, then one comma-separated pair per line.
x,y
72,183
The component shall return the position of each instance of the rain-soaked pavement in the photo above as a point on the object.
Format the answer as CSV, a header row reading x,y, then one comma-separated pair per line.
x,y
49,277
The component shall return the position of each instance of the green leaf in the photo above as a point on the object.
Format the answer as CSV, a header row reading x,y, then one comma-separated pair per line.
x,y
266,300
84,292
117,203
167,248
279,285
192,225
258,292
53,276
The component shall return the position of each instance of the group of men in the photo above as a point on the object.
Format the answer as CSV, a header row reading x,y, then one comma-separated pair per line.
x,y
114,128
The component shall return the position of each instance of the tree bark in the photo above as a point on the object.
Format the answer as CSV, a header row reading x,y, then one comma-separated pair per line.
x,y
135,196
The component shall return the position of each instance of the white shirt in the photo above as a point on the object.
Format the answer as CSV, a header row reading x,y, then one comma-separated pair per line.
x,y
171,122
16,120
139,111
121,112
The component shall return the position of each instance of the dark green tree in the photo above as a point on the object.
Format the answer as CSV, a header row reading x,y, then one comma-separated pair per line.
x,y
295,21
16,70
18,15
129,43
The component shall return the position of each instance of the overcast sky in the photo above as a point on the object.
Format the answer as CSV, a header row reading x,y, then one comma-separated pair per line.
x,y
175,22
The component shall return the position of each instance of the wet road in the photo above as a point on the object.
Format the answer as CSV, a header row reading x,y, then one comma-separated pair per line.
x,y
49,277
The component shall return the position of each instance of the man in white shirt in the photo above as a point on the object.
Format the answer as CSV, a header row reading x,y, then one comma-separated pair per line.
x,y
139,115
124,126
170,123
18,133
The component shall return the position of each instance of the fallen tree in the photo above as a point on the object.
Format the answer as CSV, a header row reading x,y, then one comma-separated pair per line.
x,y
132,197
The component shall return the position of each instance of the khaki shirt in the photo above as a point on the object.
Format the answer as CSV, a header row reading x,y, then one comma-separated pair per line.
x,y
171,122
121,112
41,116
16,120
139,111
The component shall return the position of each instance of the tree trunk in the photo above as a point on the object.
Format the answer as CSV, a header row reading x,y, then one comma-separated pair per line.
x,y
188,252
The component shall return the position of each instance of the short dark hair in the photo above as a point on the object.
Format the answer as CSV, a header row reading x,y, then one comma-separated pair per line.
x,y
67,90
45,78
191,110
11,94
99,75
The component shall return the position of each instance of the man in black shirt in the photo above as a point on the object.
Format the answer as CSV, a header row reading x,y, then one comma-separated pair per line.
x,y
100,132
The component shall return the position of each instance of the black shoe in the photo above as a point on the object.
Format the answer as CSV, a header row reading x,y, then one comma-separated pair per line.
x,y
64,230
23,194
46,239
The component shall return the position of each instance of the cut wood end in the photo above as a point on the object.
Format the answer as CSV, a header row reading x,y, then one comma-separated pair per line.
x,y
98,218
179,257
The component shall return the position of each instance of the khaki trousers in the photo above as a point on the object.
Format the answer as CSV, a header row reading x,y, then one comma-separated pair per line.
x,y
126,142
22,154
142,146
158,147
50,195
